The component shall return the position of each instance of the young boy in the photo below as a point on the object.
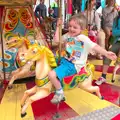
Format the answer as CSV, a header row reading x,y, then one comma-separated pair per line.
x,y
78,47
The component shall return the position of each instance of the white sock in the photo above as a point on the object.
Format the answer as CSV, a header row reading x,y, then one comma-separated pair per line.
x,y
59,91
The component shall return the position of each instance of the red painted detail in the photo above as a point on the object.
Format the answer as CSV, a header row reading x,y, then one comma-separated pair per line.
x,y
68,79
5,81
116,117
44,110
110,69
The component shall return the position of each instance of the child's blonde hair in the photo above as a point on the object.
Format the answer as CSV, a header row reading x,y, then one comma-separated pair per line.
x,y
80,19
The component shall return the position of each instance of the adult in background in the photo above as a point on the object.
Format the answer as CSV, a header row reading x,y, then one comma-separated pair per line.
x,y
94,22
114,48
53,12
41,11
109,13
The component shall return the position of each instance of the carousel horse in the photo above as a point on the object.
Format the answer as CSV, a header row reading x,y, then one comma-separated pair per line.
x,y
45,61
117,66
16,65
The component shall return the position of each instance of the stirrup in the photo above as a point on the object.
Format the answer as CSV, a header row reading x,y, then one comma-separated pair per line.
x,y
57,115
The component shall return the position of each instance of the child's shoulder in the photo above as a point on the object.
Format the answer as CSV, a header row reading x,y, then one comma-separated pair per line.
x,y
82,36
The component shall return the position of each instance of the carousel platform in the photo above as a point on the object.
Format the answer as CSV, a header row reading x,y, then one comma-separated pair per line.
x,y
79,104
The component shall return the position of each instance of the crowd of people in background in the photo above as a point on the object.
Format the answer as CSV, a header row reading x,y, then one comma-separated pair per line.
x,y
104,25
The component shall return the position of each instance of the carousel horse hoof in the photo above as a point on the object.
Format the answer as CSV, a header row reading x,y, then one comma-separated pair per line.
x,y
10,87
23,114
94,93
112,81
102,98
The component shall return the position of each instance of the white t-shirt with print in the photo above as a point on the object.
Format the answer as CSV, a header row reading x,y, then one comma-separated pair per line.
x,y
77,49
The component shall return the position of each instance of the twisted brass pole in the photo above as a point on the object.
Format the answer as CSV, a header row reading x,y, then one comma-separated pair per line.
x,y
60,27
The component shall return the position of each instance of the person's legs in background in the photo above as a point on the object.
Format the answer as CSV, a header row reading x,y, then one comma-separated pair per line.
x,y
107,31
106,62
101,41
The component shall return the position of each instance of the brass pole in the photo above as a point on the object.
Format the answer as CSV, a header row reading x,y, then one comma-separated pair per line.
x,y
60,27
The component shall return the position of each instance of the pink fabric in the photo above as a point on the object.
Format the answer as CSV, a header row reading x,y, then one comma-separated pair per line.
x,y
69,10
1,12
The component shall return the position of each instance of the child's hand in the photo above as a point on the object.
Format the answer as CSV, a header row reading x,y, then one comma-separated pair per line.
x,y
111,55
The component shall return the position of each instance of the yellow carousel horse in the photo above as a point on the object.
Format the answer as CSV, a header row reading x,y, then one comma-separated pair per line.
x,y
45,61
22,44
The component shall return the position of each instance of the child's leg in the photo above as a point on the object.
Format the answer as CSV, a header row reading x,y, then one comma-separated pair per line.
x,y
56,76
59,95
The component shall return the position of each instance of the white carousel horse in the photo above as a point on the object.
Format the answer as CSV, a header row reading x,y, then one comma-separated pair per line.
x,y
45,61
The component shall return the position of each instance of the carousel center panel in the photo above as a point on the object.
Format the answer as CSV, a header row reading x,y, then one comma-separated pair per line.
x,y
20,31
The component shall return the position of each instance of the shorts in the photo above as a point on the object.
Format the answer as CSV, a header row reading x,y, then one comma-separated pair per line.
x,y
115,48
66,68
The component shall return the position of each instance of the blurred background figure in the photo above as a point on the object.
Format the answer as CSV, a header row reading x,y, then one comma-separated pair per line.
x,y
109,13
41,11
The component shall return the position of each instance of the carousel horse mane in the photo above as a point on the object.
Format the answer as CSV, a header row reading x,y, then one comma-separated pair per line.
x,y
38,51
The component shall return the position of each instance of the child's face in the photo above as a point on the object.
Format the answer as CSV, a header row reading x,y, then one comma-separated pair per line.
x,y
111,2
74,28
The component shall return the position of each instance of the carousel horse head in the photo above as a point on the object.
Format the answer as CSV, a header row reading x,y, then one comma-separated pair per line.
x,y
17,42
37,53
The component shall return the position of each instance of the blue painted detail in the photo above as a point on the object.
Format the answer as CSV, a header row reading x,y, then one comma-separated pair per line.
x,y
10,62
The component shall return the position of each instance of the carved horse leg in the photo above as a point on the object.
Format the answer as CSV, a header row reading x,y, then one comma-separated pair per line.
x,y
114,72
38,94
19,73
87,86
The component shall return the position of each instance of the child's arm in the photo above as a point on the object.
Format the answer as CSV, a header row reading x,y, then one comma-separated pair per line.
x,y
56,36
102,51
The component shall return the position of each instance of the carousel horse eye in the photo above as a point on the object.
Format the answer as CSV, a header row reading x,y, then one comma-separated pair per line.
x,y
35,50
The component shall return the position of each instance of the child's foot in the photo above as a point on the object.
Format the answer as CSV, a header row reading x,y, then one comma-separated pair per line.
x,y
23,114
58,98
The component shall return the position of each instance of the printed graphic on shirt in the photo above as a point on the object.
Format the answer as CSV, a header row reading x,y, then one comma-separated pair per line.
x,y
74,48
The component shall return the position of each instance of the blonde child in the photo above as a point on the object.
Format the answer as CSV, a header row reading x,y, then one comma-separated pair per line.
x,y
78,47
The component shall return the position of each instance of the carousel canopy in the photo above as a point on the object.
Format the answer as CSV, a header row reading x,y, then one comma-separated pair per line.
x,y
16,2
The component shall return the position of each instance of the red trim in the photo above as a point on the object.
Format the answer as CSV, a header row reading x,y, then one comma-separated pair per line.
x,y
116,117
